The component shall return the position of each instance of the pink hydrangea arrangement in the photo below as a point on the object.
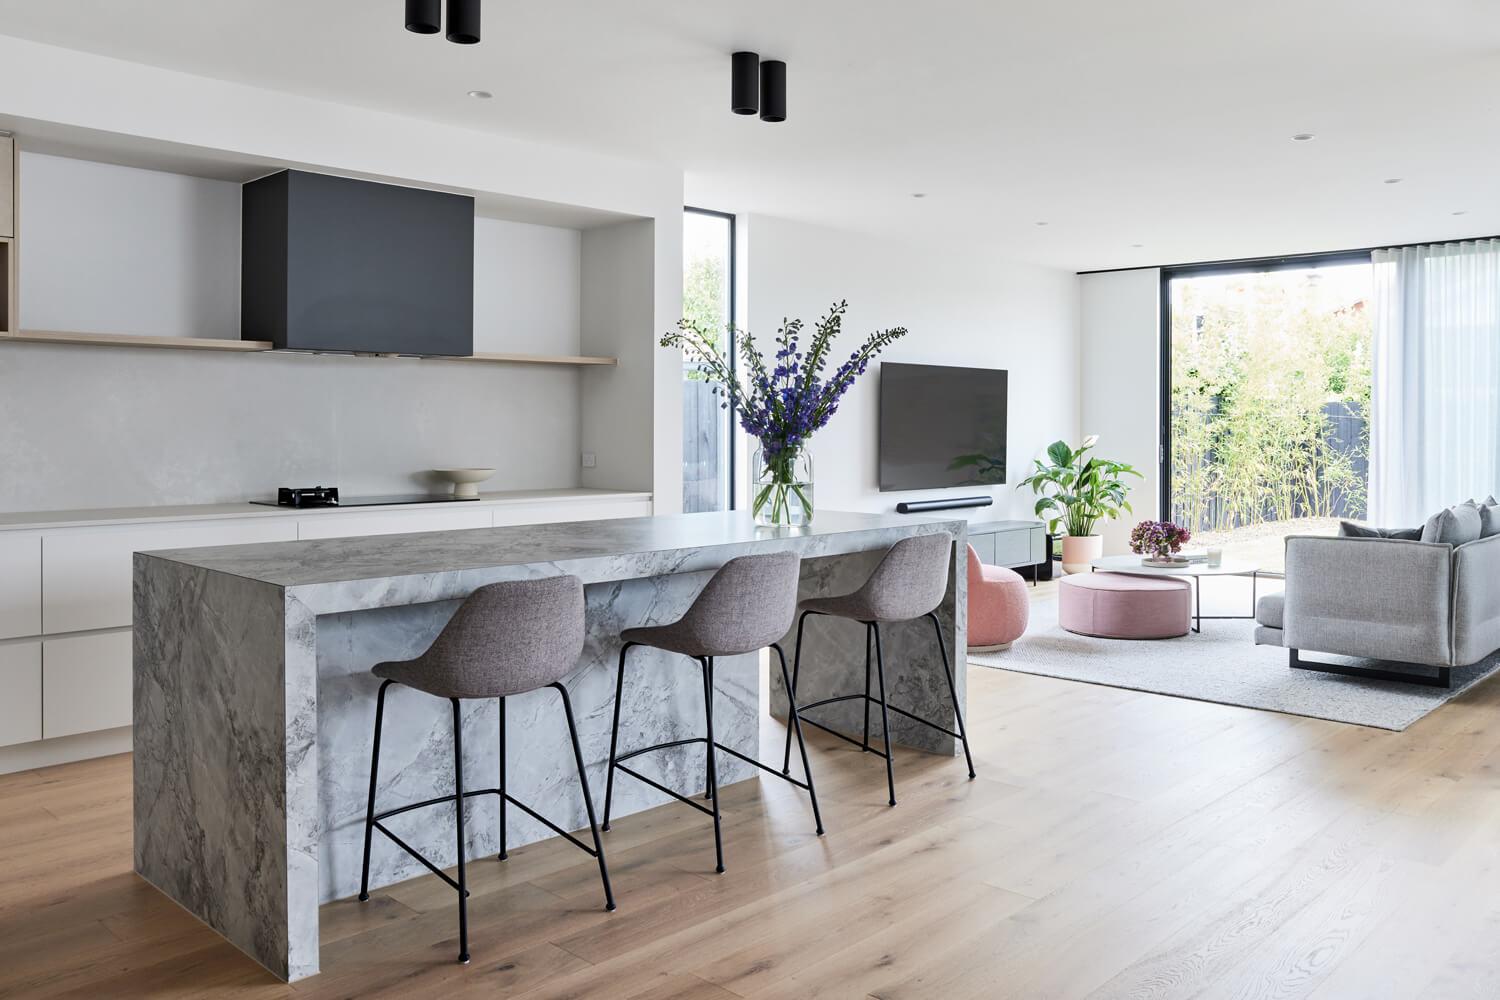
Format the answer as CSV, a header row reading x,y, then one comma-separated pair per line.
x,y
1158,539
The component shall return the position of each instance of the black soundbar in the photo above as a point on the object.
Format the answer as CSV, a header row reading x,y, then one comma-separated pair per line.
x,y
952,503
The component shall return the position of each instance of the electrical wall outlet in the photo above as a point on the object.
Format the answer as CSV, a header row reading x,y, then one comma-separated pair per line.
x,y
589,460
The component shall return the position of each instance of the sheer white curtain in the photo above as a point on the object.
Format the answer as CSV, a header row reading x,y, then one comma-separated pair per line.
x,y
1435,416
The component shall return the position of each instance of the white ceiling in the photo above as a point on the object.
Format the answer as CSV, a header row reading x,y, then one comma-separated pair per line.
x,y
1164,123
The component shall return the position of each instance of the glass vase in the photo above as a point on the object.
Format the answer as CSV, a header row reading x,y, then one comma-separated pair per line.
x,y
782,491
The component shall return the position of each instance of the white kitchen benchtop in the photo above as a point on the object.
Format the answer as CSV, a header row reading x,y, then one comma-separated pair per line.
x,y
36,519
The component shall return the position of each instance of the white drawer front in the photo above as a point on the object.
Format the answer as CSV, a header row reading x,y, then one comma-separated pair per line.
x,y
552,513
350,524
87,580
20,692
20,584
86,683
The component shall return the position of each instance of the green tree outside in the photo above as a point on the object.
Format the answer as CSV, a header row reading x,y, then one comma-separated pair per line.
x,y
1256,359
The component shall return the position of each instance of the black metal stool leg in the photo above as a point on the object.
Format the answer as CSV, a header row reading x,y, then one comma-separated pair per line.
x,y
713,768
885,716
504,831
588,798
708,750
963,734
869,629
364,878
614,737
786,756
458,808
796,725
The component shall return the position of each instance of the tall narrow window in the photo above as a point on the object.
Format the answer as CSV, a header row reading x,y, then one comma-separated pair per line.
x,y
708,300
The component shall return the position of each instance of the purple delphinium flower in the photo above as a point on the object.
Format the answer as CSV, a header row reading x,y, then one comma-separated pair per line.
x,y
782,401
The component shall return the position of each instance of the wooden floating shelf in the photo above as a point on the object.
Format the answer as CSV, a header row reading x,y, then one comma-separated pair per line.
x,y
137,340
535,359
263,346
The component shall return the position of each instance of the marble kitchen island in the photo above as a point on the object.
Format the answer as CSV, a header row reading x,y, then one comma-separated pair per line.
x,y
254,705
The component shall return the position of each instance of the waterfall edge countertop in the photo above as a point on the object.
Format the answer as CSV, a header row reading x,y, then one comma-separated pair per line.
x,y
594,550
253,698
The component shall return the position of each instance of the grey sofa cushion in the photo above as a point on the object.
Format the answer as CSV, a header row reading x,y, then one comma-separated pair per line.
x,y
1348,529
1268,610
1476,600
1455,526
1489,518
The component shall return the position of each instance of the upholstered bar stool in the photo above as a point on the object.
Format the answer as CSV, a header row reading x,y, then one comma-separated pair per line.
x,y
747,605
505,639
908,584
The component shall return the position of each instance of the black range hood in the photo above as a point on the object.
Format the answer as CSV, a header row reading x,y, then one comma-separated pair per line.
x,y
337,264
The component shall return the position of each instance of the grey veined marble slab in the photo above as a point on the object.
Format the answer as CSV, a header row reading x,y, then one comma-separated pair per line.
x,y
254,705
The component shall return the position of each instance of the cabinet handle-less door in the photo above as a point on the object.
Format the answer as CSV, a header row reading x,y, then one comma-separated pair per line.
x,y
85,683
20,692
88,572
20,584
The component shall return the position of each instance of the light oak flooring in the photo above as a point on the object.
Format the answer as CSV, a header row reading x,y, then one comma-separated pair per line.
x,y
1115,844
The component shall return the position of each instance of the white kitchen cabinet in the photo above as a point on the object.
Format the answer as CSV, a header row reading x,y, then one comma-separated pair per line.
x,y
349,524
552,513
87,582
85,683
20,692
20,584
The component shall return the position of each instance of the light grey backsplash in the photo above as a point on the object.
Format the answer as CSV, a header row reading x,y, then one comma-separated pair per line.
x,y
106,427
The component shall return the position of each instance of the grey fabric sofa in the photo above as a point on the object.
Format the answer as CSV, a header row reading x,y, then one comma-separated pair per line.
x,y
1428,604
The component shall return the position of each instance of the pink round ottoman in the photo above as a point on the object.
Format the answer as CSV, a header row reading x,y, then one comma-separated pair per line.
x,y
1121,606
998,606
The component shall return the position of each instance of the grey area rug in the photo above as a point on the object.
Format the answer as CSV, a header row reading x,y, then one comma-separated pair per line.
x,y
1222,664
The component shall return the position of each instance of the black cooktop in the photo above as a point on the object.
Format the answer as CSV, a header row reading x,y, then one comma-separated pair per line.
x,y
328,496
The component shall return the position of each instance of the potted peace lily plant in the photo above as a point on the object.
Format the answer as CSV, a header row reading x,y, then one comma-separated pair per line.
x,y
1077,490
782,401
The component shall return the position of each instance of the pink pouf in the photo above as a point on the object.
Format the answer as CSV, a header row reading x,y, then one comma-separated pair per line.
x,y
998,605
1121,606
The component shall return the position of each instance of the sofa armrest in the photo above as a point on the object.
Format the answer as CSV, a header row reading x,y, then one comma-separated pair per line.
x,y
1476,600
1372,597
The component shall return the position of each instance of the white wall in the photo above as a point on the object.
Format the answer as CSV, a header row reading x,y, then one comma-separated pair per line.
x,y
961,306
1120,378
110,249
77,95
619,298
527,289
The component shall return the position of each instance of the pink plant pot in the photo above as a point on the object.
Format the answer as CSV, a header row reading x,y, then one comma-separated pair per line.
x,y
1078,551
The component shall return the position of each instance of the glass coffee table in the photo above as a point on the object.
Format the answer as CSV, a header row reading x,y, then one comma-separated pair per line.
x,y
1195,571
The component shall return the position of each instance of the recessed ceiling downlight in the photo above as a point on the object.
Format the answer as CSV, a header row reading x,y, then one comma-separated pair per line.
x,y
1393,180
1303,137
1461,213
481,95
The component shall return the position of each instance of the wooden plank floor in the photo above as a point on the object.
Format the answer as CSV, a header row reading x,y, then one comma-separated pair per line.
x,y
1116,844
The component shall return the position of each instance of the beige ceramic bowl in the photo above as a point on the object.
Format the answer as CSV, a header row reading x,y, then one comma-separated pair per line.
x,y
465,481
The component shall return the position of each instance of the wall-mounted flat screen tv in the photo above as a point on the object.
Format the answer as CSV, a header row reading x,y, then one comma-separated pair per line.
x,y
941,426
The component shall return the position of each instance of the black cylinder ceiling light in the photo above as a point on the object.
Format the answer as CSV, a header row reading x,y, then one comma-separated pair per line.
x,y
422,16
757,87
463,21
773,91
744,84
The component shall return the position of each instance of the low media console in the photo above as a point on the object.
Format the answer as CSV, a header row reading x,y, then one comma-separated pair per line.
x,y
1016,544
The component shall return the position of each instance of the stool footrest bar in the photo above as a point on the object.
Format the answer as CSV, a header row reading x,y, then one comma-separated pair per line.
x,y
420,857
802,710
